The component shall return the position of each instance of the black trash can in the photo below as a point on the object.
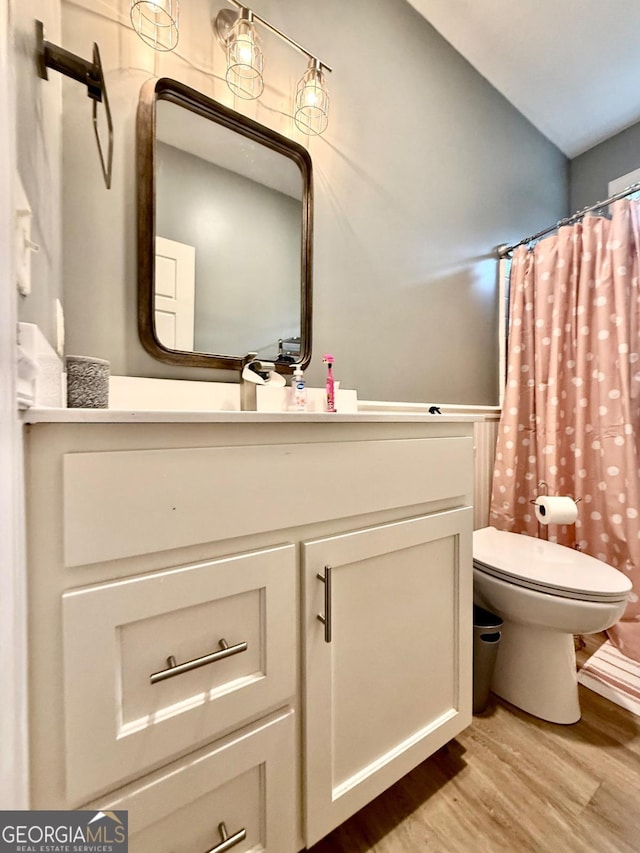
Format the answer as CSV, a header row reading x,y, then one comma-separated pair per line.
x,y
486,639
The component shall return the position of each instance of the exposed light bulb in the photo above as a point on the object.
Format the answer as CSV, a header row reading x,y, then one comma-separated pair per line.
x,y
311,96
244,60
244,49
312,101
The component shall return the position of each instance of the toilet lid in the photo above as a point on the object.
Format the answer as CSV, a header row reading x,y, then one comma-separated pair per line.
x,y
547,566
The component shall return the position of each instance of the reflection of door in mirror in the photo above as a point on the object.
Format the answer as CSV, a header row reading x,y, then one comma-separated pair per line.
x,y
174,294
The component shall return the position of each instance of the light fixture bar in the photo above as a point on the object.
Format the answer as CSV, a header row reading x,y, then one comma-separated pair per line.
x,y
280,34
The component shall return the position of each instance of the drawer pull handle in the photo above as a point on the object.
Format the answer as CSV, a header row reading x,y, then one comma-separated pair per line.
x,y
174,668
326,618
228,841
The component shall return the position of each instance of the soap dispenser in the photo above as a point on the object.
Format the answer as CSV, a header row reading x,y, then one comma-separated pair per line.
x,y
298,400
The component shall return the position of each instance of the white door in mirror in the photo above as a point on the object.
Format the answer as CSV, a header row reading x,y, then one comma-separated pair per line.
x,y
175,283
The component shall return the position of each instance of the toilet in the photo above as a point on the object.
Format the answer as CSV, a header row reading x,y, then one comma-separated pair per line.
x,y
545,593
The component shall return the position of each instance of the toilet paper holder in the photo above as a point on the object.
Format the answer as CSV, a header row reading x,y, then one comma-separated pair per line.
x,y
546,493
555,509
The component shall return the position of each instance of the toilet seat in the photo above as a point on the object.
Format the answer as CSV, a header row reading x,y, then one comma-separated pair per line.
x,y
546,567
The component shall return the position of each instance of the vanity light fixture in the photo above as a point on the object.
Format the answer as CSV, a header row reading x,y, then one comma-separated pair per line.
x,y
156,22
244,57
312,100
236,32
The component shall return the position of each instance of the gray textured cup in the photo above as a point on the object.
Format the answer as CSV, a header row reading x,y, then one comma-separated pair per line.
x,y
87,382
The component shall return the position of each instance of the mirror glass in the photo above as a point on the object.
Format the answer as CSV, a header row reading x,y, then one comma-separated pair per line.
x,y
224,252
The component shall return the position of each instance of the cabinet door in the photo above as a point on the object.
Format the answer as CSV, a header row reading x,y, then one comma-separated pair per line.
x,y
390,683
228,627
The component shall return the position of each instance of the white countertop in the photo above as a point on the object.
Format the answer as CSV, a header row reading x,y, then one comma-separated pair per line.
x,y
126,416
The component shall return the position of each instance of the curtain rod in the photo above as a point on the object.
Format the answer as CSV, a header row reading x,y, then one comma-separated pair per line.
x,y
504,251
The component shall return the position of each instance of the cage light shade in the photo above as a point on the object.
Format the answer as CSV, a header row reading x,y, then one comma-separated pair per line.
x,y
156,22
312,101
244,60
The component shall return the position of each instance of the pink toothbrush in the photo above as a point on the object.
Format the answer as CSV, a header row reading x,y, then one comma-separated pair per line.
x,y
331,395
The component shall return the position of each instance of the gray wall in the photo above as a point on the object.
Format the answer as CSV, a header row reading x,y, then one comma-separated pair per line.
x,y
591,172
424,169
244,233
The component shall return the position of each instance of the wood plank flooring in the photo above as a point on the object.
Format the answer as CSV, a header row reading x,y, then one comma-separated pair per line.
x,y
513,784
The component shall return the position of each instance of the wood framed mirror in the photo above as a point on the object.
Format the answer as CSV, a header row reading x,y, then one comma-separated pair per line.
x,y
225,211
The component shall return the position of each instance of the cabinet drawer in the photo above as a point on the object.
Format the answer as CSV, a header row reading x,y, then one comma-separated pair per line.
x,y
169,502
123,705
246,782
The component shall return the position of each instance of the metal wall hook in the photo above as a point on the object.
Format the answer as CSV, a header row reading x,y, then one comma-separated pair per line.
x,y
89,73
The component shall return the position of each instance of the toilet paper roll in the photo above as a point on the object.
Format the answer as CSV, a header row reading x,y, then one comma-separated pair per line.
x,y
556,510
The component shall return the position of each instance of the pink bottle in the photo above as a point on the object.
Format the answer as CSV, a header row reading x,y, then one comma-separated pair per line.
x,y
331,393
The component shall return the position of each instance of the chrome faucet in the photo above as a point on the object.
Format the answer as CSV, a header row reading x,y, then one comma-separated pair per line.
x,y
255,372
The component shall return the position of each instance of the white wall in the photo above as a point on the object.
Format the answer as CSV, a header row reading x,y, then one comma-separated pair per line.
x,y
30,137
39,158
12,708
424,169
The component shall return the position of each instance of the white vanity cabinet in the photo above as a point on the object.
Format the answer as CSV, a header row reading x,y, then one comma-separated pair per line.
x,y
243,627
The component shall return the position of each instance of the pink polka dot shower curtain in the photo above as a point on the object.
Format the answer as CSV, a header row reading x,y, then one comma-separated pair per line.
x,y
571,412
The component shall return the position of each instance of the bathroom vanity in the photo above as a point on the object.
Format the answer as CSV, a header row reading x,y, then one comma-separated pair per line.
x,y
243,627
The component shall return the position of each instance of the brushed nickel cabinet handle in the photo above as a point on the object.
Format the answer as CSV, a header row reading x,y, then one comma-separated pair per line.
x,y
174,668
326,618
228,841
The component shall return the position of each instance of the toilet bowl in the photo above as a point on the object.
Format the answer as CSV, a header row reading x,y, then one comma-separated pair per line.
x,y
545,593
